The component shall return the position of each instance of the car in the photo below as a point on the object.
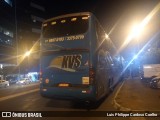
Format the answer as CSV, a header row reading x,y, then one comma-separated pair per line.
x,y
4,83
155,82
24,81
12,81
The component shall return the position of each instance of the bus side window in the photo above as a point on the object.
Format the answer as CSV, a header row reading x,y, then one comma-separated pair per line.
x,y
109,59
115,62
101,59
100,33
107,63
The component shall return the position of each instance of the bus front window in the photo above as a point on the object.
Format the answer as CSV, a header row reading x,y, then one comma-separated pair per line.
x,y
65,26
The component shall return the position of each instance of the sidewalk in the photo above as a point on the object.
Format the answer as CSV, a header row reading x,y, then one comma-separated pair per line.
x,y
137,95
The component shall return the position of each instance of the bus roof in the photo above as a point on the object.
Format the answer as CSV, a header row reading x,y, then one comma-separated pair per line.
x,y
68,15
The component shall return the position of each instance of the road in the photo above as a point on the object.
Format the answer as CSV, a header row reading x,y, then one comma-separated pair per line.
x,y
27,98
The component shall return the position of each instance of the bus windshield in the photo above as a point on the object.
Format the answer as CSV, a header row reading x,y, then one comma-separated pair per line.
x,y
65,26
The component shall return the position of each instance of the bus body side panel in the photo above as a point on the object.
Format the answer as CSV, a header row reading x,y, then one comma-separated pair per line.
x,y
97,84
107,74
100,82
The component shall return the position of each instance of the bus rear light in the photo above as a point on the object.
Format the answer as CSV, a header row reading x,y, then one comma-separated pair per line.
x,y
91,75
91,72
86,91
47,81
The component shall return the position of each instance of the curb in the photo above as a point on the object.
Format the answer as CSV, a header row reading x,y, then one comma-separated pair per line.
x,y
122,108
117,105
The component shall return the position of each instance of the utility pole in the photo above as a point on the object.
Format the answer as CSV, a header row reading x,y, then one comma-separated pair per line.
x,y
16,37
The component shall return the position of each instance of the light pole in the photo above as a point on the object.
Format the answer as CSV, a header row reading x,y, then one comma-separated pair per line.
x,y
16,38
27,54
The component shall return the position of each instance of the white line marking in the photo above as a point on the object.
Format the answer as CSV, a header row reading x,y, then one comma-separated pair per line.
x,y
18,94
117,105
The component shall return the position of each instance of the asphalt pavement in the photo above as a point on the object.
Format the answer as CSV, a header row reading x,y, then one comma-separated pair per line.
x,y
16,89
130,95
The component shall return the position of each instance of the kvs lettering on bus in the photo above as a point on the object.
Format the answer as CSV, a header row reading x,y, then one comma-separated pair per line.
x,y
71,61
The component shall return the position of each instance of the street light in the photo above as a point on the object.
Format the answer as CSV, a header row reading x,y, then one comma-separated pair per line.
x,y
140,27
27,53
137,29
136,32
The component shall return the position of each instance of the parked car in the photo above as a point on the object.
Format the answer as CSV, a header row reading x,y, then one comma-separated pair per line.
x,y
12,81
24,81
155,82
4,83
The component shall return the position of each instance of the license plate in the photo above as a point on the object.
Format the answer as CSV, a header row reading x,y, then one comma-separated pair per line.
x,y
63,85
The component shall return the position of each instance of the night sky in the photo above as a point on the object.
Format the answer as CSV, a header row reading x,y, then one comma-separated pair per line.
x,y
117,14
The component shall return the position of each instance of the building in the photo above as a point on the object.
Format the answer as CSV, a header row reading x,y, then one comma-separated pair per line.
x,y
7,36
30,14
20,28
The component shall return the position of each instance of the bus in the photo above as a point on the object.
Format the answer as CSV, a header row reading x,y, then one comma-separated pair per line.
x,y
78,59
